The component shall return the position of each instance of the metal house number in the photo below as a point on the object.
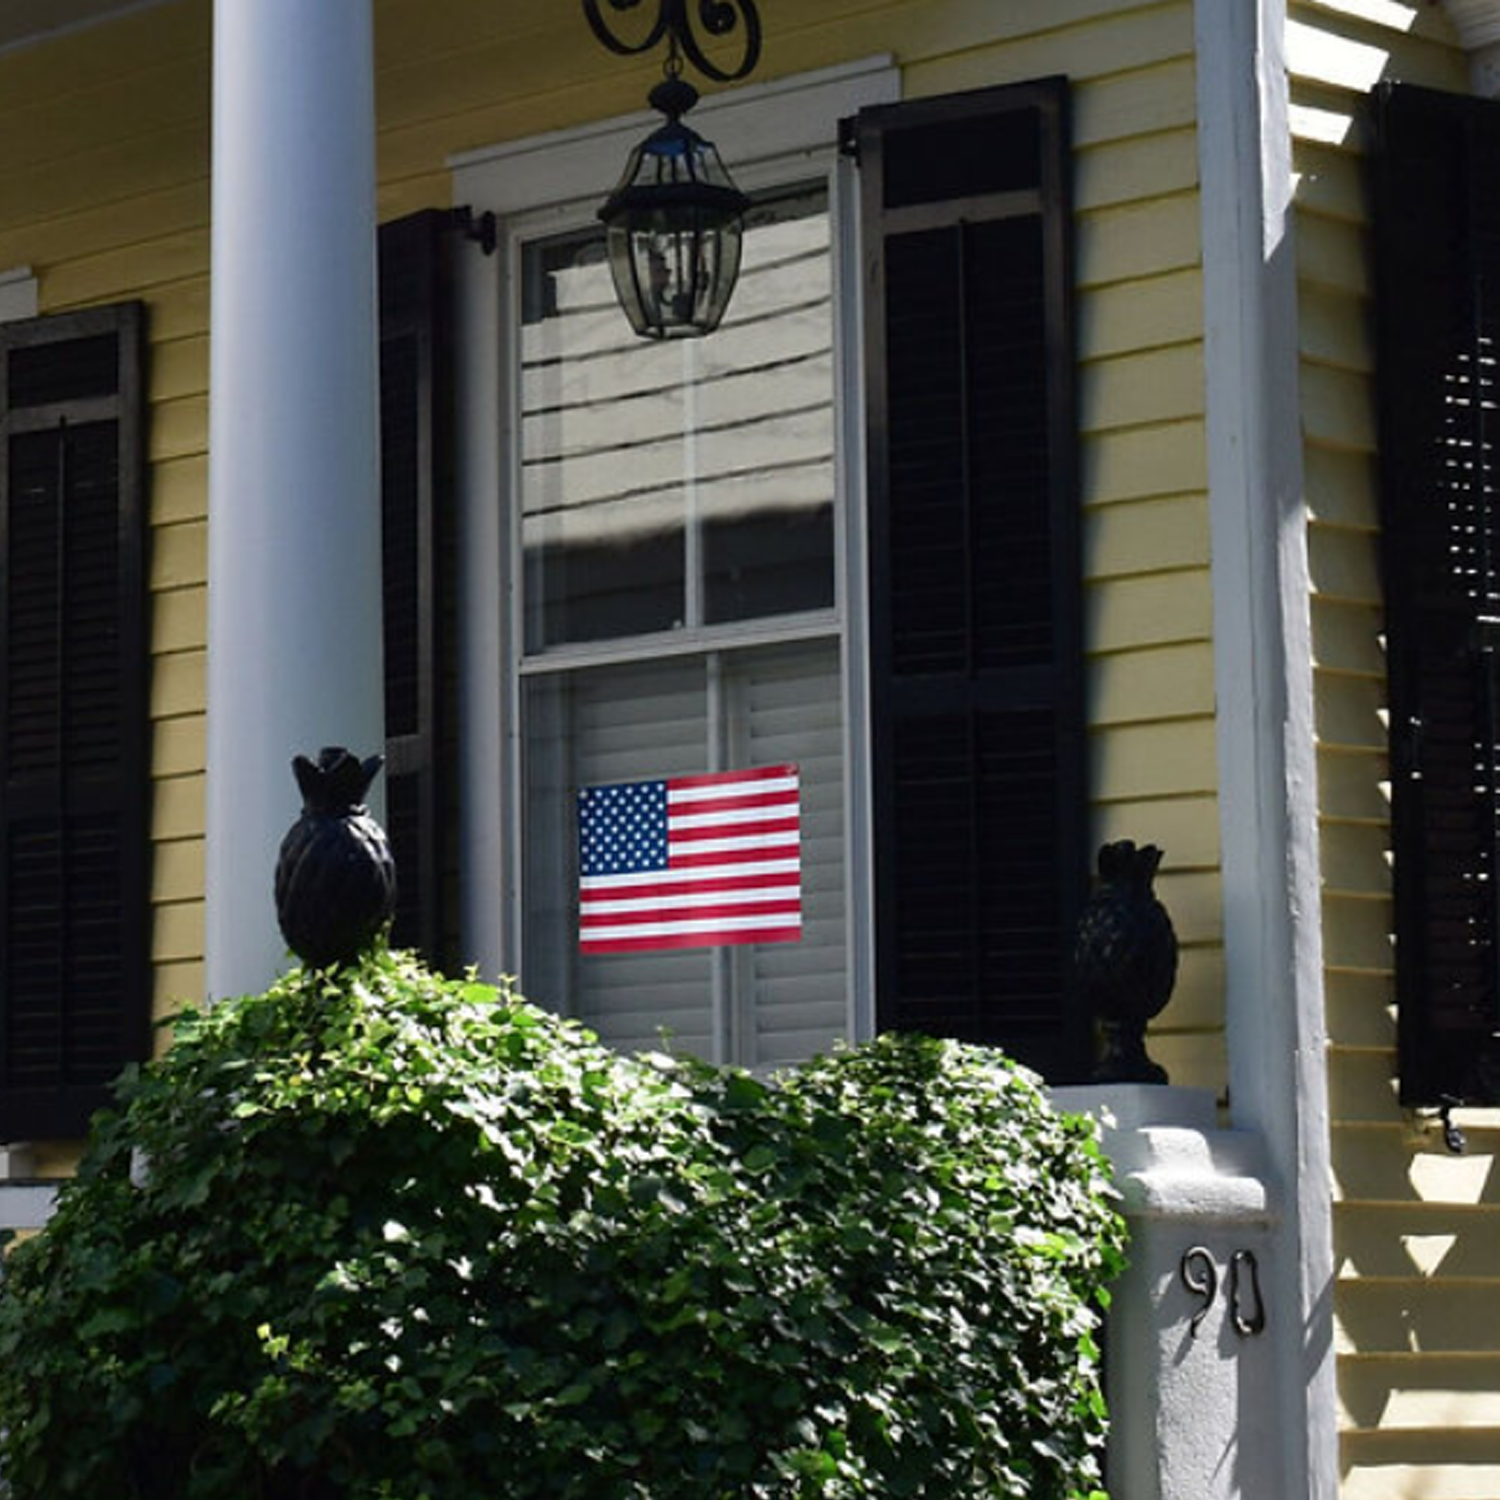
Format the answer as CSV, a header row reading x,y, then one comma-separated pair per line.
x,y
1200,1275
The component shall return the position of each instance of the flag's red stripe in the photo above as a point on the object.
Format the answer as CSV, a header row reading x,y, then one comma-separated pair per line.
x,y
692,940
720,778
691,912
757,829
709,885
689,860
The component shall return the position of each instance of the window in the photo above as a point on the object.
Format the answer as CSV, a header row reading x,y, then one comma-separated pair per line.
x,y
839,535
679,615
74,979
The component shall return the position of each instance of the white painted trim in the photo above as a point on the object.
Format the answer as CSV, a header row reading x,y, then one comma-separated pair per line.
x,y
1263,663
18,294
853,602
759,122
17,1162
481,415
692,640
26,1205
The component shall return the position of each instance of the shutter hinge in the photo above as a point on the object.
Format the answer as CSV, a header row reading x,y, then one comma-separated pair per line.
x,y
480,228
1406,750
1453,1137
849,137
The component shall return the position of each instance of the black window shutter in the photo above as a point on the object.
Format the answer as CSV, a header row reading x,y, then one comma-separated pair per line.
x,y
976,697
416,428
75,990
1437,222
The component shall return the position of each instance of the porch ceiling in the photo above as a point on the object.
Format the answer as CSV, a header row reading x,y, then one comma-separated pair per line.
x,y
23,22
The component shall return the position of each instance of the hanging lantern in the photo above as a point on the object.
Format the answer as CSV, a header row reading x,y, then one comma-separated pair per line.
x,y
675,222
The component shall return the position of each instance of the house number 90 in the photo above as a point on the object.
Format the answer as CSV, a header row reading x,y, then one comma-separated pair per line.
x,y
1247,1310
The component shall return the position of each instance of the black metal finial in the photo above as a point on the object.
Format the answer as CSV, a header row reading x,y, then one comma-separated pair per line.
x,y
335,878
677,23
1125,959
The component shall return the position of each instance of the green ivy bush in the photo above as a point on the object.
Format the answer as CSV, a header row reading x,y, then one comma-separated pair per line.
x,y
385,1236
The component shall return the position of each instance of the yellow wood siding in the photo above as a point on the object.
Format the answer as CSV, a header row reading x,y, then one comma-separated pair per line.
x,y
104,194
1416,1230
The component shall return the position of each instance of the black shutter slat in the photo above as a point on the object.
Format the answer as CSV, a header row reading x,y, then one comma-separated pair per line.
x,y
54,373
416,427
976,702
74,773
1438,320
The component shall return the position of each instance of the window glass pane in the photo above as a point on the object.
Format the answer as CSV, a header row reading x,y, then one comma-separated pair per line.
x,y
757,1003
765,496
683,483
598,728
788,705
601,456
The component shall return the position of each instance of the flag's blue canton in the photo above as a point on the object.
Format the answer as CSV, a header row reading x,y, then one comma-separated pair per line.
x,y
622,830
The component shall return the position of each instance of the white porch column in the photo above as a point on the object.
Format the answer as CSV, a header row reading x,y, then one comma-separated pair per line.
x,y
1267,745
294,659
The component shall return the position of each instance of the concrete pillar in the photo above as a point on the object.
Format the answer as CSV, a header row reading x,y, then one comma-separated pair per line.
x,y
294,659
1190,1345
1266,730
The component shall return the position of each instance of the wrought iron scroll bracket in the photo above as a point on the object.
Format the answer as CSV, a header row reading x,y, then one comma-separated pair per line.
x,y
682,23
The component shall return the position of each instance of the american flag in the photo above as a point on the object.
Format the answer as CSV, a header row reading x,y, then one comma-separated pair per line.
x,y
690,861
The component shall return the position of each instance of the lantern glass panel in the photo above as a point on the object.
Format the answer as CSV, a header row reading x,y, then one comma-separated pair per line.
x,y
674,235
675,281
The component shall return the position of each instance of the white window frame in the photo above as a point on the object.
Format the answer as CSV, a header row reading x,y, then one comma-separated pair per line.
x,y
18,294
550,185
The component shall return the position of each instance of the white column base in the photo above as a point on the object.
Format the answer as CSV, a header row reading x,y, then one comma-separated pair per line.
x,y
24,1202
1192,1414
26,1205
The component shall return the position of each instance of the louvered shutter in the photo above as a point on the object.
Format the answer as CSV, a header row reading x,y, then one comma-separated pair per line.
x,y
977,756
74,778
1438,258
416,426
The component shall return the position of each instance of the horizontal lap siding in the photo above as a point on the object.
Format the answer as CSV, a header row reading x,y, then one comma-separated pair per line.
x,y
104,153
1416,1229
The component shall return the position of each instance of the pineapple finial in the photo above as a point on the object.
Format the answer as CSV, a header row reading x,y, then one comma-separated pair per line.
x,y
335,878
1125,960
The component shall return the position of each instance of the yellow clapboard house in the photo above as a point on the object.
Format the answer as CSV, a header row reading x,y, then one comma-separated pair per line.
x,y
1058,476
